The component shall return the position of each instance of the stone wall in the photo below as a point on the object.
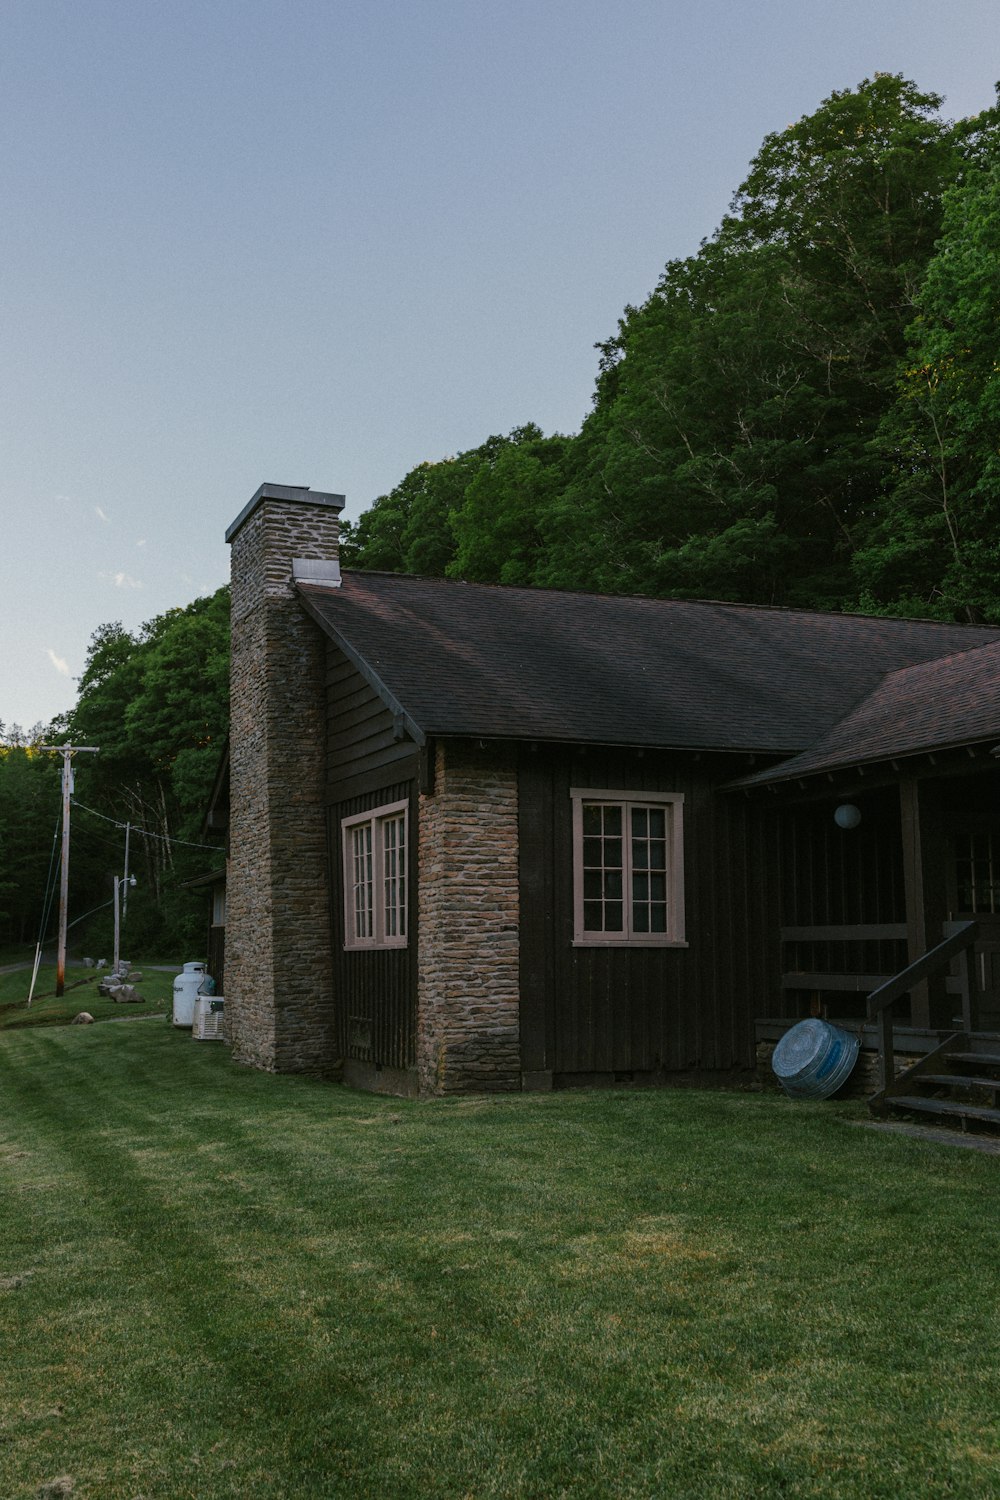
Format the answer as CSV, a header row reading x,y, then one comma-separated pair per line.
x,y
278,961
468,1037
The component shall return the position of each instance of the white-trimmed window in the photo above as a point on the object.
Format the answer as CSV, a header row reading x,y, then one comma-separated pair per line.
x,y
375,893
628,868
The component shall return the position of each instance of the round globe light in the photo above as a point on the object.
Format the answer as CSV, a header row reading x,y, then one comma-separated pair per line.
x,y
847,815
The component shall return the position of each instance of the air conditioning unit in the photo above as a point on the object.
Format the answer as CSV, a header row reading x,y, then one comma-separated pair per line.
x,y
207,1023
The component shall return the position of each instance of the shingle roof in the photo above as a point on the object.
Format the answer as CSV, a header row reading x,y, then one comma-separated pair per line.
x,y
934,706
532,664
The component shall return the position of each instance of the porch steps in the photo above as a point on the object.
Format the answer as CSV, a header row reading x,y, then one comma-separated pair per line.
x,y
960,1082
983,1058
953,1108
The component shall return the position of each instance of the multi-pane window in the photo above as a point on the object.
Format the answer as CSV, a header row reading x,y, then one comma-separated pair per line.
x,y
977,872
627,867
375,895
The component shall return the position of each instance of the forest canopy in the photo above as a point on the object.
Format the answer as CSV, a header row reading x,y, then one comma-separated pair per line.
x,y
156,704
804,412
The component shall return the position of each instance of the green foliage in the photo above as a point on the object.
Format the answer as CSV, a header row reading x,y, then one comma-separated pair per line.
x,y
933,540
500,525
157,705
739,402
30,803
765,414
437,511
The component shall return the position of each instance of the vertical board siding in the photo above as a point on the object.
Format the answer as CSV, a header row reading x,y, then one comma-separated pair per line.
x,y
837,877
374,989
618,1012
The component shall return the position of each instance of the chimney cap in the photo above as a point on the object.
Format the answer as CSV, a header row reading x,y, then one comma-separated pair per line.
x,y
296,494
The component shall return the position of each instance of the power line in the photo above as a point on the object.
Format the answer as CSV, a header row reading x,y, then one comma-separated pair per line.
x,y
50,889
146,832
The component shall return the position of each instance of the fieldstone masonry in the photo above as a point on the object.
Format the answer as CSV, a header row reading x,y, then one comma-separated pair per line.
x,y
279,978
278,960
468,1036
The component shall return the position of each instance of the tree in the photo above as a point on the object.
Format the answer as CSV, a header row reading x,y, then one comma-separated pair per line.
x,y
933,543
501,525
30,807
741,399
412,529
765,414
157,706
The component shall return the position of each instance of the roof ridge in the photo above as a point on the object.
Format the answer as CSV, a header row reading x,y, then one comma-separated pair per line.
x,y
741,604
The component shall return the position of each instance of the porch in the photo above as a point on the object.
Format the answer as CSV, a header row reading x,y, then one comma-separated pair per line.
x,y
891,905
948,1074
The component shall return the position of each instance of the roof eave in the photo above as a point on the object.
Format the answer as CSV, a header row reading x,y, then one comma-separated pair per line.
x,y
374,681
786,774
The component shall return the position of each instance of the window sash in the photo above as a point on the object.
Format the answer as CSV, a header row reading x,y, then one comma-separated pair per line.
x,y
628,868
374,846
977,873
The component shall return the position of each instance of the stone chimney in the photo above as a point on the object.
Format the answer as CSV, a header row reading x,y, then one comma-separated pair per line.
x,y
278,935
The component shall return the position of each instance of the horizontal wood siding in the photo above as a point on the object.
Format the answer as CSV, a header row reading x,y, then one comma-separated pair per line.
x,y
648,1011
362,736
370,763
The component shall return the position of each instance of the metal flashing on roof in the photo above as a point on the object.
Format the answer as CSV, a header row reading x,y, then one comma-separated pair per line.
x,y
322,570
298,494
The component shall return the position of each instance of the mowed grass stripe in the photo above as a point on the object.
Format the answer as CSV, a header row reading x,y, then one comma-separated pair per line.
x,y
161,1317
245,1284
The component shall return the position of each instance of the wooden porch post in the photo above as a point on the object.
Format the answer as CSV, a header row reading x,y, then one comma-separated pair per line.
x,y
913,887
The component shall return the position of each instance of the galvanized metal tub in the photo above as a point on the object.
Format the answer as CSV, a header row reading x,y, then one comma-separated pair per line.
x,y
814,1059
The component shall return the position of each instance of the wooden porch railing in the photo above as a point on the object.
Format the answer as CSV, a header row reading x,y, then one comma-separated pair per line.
x,y
958,944
848,983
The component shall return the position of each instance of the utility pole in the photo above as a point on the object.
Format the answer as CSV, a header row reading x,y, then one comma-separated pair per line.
x,y
67,752
120,885
125,881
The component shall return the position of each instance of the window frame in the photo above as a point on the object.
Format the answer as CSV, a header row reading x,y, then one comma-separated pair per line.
x,y
672,803
376,819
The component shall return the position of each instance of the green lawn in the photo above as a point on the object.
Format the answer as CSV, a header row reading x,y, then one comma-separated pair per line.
x,y
218,1283
80,994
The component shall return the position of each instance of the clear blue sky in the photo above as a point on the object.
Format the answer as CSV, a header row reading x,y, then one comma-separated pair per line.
x,y
317,243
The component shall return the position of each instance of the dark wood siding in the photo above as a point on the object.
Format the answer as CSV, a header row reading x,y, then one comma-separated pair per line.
x,y
375,989
648,1011
370,763
832,877
363,737
217,957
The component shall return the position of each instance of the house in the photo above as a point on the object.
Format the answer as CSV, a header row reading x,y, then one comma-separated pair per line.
x,y
487,838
